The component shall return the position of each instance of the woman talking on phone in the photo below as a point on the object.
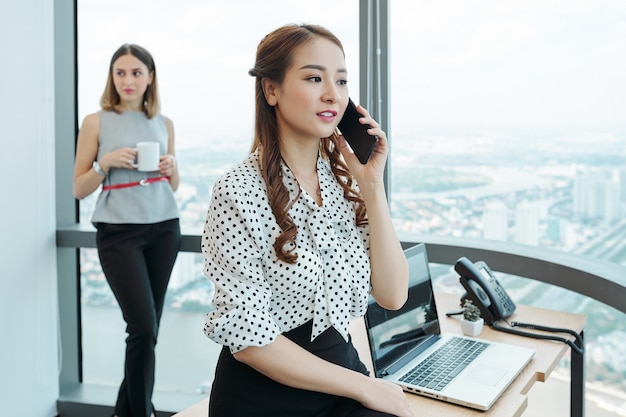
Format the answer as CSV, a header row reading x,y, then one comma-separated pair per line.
x,y
294,246
136,215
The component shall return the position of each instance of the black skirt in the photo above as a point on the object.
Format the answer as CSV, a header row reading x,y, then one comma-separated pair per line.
x,y
239,390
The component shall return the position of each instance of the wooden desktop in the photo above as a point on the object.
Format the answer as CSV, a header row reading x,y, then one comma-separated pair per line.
x,y
513,401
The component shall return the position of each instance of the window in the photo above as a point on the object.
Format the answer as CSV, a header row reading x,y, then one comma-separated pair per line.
x,y
507,126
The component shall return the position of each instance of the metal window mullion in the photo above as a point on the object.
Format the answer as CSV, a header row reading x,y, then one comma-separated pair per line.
x,y
374,65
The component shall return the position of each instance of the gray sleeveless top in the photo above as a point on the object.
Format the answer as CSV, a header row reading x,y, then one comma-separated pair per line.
x,y
151,203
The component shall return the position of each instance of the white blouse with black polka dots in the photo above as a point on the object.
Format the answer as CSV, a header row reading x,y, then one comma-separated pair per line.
x,y
257,296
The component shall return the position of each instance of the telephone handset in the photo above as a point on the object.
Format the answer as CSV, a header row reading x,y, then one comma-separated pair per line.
x,y
484,290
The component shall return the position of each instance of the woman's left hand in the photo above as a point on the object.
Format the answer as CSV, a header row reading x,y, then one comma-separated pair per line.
x,y
372,171
167,165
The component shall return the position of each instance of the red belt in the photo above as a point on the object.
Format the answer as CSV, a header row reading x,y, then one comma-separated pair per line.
x,y
143,182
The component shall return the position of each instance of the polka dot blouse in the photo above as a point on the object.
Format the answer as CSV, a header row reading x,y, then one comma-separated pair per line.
x,y
257,296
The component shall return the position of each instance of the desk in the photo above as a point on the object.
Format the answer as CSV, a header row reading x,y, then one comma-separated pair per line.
x,y
513,401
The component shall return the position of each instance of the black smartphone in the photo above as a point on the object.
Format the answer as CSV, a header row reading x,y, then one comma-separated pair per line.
x,y
356,134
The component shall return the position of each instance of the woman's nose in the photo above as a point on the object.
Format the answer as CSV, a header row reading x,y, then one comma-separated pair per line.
x,y
331,94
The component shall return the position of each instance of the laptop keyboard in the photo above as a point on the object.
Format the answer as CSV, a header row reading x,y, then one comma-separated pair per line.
x,y
441,366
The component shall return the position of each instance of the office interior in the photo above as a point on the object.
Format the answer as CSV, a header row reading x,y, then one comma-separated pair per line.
x,y
41,372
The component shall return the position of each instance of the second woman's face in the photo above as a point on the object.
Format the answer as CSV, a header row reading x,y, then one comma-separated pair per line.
x,y
314,93
131,79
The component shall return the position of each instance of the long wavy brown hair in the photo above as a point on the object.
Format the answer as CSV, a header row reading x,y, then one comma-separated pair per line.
x,y
110,100
274,56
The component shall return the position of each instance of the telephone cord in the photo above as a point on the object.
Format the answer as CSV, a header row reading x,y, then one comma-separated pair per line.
x,y
577,346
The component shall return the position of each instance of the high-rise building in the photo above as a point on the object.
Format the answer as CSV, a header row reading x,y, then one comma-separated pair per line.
x,y
495,224
527,223
596,196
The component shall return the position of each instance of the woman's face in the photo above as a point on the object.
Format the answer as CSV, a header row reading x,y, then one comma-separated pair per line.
x,y
314,94
131,79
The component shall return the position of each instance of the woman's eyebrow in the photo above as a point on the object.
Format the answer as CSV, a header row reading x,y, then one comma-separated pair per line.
x,y
129,70
321,68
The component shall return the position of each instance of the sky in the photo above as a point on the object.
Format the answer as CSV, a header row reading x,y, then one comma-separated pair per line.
x,y
454,63
530,63
203,50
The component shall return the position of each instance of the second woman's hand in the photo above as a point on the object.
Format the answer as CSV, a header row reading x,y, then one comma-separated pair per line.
x,y
119,158
167,165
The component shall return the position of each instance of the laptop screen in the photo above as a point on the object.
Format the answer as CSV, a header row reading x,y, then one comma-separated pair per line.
x,y
395,334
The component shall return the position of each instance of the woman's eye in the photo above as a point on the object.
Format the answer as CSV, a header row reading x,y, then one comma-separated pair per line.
x,y
137,73
120,73
315,79
342,82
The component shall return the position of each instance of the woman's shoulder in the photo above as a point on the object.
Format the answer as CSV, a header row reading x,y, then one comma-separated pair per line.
x,y
91,121
91,117
169,124
165,119
243,177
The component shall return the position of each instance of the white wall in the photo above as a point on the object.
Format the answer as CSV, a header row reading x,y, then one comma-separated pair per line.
x,y
28,300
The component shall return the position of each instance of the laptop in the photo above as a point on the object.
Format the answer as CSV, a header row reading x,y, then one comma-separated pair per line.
x,y
408,348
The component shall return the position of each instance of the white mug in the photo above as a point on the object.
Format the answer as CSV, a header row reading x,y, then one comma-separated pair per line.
x,y
148,156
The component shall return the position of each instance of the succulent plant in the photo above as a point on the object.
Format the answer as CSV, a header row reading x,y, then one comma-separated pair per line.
x,y
470,311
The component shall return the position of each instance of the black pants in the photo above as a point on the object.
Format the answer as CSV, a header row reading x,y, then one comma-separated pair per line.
x,y
240,391
137,260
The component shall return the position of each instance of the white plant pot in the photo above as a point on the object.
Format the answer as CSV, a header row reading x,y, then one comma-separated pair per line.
x,y
472,328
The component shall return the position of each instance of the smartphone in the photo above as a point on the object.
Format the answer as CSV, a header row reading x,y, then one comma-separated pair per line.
x,y
361,142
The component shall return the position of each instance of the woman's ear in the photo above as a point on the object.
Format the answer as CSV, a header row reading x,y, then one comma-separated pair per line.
x,y
270,90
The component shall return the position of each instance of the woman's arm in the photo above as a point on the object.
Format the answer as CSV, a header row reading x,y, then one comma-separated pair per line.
x,y
286,362
390,271
86,179
168,165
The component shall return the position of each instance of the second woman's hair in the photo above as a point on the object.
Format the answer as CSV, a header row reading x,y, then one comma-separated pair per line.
x,y
110,100
273,59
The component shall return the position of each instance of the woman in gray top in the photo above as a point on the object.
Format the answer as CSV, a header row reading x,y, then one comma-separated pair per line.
x,y
136,215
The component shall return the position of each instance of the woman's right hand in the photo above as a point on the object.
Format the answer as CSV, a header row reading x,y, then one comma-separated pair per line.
x,y
119,158
386,397
288,363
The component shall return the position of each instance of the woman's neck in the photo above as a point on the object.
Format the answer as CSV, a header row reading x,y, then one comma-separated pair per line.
x,y
301,159
130,106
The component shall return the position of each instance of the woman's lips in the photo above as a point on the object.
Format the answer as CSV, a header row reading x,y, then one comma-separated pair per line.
x,y
328,115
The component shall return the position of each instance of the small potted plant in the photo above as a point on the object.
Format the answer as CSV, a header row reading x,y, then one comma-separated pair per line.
x,y
472,323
